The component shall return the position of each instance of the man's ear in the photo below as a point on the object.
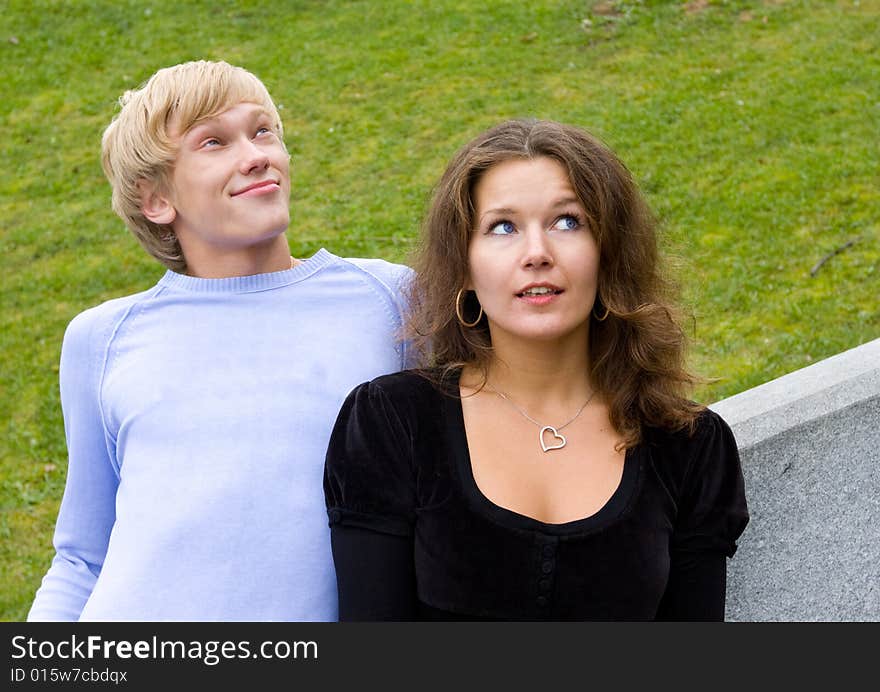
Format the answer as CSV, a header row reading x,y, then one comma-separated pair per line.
x,y
156,206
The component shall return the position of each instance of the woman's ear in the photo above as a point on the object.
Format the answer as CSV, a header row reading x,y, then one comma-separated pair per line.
x,y
155,206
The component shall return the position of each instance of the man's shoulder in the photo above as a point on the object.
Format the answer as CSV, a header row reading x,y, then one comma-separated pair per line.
x,y
390,275
102,317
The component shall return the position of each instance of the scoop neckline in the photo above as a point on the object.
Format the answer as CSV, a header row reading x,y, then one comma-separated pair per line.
x,y
613,510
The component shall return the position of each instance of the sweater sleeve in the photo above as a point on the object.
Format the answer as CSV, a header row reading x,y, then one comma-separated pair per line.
x,y
395,280
87,512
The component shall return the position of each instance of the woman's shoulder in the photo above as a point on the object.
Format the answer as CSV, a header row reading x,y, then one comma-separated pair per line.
x,y
708,443
381,439
701,469
707,424
423,383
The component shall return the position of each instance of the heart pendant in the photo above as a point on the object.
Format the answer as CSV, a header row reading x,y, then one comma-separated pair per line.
x,y
556,435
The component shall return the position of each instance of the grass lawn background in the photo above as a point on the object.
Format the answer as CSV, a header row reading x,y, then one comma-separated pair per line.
x,y
752,127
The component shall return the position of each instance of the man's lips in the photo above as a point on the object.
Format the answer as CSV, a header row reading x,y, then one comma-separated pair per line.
x,y
263,187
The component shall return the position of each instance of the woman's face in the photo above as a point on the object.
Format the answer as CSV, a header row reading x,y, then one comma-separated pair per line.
x,y
533,262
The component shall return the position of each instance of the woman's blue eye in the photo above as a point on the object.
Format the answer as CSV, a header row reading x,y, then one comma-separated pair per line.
x,y
567,223
263,130
502,228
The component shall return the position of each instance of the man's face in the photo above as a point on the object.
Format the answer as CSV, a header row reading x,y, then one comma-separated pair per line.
x,y
230,187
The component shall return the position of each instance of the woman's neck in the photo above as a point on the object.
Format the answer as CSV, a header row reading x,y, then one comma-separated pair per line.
x,y
538,372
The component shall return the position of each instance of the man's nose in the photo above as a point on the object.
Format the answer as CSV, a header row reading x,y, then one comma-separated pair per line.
x,y
253,158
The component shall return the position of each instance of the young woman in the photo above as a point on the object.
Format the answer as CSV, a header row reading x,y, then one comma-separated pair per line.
x,y
545,463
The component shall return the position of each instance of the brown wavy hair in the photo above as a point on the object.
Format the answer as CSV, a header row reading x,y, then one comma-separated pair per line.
x,y
637,351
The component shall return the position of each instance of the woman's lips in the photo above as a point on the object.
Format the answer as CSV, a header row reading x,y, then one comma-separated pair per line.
x,y
539,298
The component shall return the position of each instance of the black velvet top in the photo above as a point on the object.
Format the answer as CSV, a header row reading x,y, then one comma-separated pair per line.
x,y
414,538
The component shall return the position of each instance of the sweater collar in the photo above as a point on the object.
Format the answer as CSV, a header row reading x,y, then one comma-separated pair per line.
x,y
249,284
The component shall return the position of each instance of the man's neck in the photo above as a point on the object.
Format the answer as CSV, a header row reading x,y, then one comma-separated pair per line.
x,y
256,259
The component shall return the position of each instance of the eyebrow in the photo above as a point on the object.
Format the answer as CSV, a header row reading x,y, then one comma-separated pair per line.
x,y
200,127
499,211
215,121
561,202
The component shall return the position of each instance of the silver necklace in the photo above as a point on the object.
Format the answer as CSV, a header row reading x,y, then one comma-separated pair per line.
x,y
559,438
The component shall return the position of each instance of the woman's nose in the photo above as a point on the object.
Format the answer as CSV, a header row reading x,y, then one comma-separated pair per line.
x,y
537,250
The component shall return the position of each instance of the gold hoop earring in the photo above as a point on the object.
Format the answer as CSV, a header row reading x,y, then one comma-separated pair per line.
x,y
458,311
596,317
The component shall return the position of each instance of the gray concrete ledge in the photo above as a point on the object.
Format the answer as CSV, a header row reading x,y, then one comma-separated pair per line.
x,y
804,395
810,448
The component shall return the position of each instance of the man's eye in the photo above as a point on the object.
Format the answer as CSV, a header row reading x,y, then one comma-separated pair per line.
x,y
502,228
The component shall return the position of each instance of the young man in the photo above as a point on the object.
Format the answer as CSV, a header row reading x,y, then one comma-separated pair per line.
x,y
197,413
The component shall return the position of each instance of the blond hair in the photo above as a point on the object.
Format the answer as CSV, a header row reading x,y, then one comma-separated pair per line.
x,y
141,142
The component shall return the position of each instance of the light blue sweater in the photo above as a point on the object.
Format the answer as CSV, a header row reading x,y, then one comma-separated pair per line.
x,y
197,415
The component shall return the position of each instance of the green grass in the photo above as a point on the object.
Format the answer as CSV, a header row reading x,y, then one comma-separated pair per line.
x,y
751,125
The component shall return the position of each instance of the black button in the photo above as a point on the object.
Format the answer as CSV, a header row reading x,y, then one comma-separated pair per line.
x,y
547,566
549,550
544,585
542,601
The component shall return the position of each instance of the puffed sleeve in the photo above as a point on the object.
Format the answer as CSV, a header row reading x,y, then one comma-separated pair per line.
x,y
711,516
368,475
370,494
712,506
